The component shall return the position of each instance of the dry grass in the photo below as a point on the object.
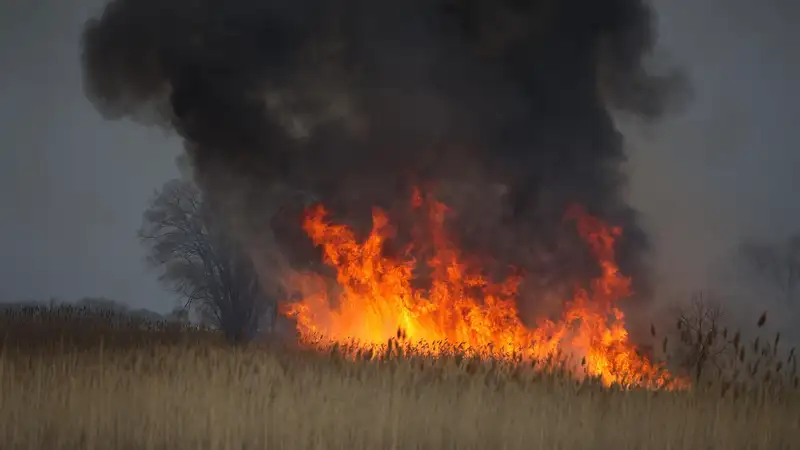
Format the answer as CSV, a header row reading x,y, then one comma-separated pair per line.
x,y
71,384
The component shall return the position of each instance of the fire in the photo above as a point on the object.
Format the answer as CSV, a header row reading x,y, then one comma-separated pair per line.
x,y
374,297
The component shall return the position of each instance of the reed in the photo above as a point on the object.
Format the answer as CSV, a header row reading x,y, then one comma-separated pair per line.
x,y
83,382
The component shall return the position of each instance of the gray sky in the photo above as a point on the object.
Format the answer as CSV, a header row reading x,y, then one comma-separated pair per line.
x,y
726,168
73,186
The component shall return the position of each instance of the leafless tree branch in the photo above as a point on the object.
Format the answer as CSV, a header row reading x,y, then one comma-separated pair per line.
x,y
200,262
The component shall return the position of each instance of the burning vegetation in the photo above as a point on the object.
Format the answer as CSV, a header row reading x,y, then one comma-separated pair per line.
x,y
349,103
458,307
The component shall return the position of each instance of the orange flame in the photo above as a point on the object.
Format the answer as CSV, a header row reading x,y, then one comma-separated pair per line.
x,y
375,298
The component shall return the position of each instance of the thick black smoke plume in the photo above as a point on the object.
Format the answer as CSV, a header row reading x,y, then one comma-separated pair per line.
x,y
502,104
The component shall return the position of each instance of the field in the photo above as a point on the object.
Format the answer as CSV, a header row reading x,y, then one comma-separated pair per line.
x,y
88,383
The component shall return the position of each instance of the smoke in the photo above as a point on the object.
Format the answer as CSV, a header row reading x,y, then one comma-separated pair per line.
x,y
503,105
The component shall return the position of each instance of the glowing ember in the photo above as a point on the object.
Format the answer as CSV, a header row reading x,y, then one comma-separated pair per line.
x,y
375,297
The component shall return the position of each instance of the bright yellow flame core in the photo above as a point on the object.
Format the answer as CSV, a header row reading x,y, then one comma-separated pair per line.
x,y
375,298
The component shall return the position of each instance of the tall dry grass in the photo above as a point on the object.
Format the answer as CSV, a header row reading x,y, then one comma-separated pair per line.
x,y
79,383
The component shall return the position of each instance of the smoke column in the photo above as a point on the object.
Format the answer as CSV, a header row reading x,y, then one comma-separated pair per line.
x,y
504,105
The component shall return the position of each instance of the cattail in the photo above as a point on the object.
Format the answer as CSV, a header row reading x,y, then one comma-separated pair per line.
x,y
652,330
736,339
755,367
762,319
664,345
775,346
389,346
755,344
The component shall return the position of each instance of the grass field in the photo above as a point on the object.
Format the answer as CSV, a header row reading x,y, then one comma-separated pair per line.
x,y
68,383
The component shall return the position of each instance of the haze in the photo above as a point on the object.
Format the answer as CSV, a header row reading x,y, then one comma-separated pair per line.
x,y
73,186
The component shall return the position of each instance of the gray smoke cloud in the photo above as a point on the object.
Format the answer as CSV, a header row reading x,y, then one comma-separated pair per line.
x,y
504,105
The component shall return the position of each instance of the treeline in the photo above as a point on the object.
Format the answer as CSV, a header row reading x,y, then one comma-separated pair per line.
x,y
93,308
89,323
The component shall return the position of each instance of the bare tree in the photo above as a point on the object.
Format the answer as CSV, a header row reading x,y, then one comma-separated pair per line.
x,y
201,263
775,264
704,339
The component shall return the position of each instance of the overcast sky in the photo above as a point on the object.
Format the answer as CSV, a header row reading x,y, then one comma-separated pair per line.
x,y
73,186
727,167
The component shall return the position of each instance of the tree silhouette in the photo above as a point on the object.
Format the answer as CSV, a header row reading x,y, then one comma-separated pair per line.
x,y
202,263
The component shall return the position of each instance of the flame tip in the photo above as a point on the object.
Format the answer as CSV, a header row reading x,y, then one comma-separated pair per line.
x,y
378,301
